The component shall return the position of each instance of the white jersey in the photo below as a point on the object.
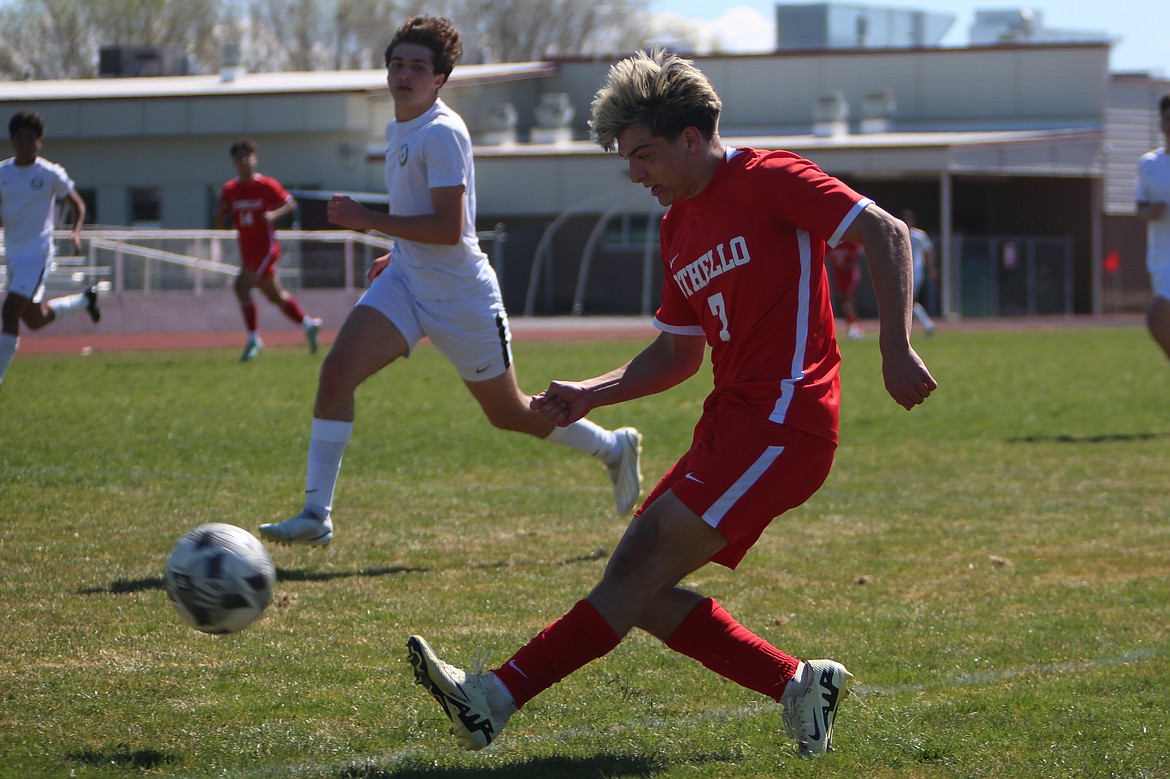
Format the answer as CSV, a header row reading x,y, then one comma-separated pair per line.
x,y
1153,186
920,244
429,151
28,195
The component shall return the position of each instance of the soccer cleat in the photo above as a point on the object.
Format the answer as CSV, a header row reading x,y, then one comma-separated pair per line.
x,y
855,332
312,328
466,699
810,709
626,475
306,528
91,304
252,349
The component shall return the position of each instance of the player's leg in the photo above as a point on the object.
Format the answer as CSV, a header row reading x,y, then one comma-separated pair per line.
x,y
287,302
245,283
919,309
1158,322
661,546
367,342
474,335
10,315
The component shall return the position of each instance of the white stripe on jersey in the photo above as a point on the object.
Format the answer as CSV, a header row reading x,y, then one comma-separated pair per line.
x,y
788,386
714,515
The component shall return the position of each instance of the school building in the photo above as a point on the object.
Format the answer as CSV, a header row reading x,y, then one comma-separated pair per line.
x,y
1018,159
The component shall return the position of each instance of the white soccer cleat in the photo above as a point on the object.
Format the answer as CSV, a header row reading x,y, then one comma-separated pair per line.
x,y
473,702
810,707
305,528
626,475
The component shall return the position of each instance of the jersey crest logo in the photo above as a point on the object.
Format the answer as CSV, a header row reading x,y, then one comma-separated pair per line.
x,y
403,154
37,183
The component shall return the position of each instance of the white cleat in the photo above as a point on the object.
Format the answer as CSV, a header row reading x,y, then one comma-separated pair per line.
x,y
473,702
810,707
305,528
626,475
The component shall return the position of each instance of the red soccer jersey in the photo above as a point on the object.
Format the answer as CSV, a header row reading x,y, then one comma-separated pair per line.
x,y
248,201
745,267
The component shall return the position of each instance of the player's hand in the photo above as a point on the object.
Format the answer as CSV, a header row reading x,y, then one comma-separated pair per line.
x,y
75,238
907,379
344,211
377,266
563,403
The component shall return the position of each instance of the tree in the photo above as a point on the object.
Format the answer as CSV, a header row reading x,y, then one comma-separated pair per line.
x,y
61,38
527,30
51,39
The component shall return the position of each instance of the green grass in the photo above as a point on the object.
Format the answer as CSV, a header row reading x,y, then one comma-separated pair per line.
x,y
993,566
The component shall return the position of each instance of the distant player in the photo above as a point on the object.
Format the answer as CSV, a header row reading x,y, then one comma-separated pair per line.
x,y
925,267
743,254
845,260
253,203
1151,195
29,190
436,282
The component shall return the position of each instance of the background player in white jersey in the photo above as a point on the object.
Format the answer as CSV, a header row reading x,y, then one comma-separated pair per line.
x,y
743,254
29,189
925,267
435,282
1151,195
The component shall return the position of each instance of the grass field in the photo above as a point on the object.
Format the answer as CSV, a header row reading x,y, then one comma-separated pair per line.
x,y
993,566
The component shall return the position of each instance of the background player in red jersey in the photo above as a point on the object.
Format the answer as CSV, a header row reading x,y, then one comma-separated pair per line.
x,y
743,248
255,202
845,260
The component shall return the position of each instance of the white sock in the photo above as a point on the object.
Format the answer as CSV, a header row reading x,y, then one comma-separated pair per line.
x,y
327,441
505,704
589,438
923,317
69,304
8,344
795,684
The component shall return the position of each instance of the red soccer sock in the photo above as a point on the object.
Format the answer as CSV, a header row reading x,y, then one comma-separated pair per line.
x,y
710,635
249,311
292,309
578,638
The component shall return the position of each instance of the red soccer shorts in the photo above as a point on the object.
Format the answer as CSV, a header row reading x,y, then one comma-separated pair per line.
x,y
742,472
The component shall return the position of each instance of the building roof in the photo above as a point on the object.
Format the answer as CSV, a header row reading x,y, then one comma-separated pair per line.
x,y
249,83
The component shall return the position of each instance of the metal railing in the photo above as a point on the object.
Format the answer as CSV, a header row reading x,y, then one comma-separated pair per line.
x,y
198,260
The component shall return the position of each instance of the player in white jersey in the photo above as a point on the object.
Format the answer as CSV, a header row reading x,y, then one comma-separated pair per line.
x,y
436,282
1151,195
29,190
925,267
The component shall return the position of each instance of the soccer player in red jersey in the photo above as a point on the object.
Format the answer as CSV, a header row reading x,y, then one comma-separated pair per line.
x,y
255,202
743,247
845,260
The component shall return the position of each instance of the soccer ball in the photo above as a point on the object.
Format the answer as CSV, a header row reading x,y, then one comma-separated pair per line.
x,y
220,578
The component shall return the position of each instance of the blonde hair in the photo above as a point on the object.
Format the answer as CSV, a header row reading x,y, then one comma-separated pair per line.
x,y
660,90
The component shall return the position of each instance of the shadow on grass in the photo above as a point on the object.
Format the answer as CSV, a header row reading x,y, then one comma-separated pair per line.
x,y
124,586
610,766
1101,438
122,757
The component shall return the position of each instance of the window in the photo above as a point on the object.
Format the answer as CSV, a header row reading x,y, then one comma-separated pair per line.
x,y
146,207
627,232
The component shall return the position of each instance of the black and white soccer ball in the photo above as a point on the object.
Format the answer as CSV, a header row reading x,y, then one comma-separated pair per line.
x,y
220,578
